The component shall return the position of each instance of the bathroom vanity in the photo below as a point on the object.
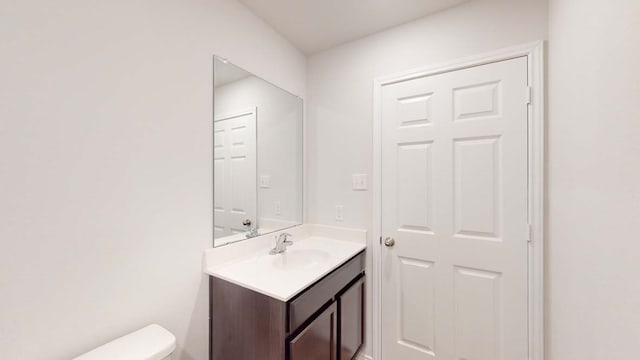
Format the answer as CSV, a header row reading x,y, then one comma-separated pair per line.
x,y
304,304
268,303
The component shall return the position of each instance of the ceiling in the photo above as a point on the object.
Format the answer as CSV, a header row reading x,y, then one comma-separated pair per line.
x,y
316,25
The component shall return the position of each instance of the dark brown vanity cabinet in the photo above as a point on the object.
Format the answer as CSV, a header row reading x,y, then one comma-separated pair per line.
x,y
317,340
351,320
323,322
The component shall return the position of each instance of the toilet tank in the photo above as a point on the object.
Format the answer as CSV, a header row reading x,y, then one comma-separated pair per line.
x,y
150,343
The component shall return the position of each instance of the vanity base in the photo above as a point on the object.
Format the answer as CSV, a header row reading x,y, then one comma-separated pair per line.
x,y
323,322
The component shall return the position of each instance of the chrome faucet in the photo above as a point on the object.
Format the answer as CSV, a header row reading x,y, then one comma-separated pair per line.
x,y
252,231
281,244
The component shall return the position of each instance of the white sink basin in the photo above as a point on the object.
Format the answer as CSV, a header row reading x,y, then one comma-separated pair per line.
x,y
282,276
294,259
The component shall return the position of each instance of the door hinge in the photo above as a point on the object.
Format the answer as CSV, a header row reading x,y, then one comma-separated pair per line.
x,y
529,95
529,233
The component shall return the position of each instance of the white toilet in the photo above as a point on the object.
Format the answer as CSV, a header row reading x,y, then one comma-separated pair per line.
x,y
150,343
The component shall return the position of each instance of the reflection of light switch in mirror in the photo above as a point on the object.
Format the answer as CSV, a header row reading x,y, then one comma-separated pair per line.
x,y
267,121
359,182
265,181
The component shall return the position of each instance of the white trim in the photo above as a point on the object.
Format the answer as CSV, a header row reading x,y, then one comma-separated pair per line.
x,y
305,163
535,55
537,175
235,114
376,234
363,356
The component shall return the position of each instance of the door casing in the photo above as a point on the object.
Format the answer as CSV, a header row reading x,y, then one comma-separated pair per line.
x,y
536,189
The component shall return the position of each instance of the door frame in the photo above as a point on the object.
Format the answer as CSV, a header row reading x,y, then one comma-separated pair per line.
x,y
536,189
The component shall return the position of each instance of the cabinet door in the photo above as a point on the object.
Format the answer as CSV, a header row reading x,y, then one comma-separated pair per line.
x,y
351,310
317,341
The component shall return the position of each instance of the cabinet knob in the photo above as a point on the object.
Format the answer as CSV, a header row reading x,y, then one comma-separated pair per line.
x,y
389,242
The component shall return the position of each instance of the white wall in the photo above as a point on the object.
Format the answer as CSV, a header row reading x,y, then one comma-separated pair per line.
x,y
593,250
340,83
106,165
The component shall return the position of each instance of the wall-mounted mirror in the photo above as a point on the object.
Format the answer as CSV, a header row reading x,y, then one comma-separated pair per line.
x,y
257,170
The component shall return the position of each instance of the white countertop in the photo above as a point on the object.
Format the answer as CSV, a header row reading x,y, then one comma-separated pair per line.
x,y
317,251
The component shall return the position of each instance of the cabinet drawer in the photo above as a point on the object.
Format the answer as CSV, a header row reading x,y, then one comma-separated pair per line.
x,y
305,305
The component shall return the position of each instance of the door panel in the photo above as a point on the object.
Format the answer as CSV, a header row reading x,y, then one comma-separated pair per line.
x,y
476,187
417,330
454,198
476,101
414,203
477,314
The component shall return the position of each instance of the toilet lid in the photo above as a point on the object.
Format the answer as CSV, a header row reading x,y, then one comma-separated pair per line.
x,y
150,343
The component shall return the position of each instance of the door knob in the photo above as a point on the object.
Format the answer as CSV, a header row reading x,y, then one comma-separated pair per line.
x,y
389,242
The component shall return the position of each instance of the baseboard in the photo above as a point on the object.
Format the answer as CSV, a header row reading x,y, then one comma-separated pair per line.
x,y
362,356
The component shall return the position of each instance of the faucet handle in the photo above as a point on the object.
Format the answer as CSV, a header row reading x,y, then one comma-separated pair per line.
x,y
284,238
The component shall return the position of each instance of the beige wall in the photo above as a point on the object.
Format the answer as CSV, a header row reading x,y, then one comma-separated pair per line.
x,y
340,96
106,165
593,251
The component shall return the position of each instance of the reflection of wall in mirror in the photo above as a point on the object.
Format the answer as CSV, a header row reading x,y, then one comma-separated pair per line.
x,y
279,155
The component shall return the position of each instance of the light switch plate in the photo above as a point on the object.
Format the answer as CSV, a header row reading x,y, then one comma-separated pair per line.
x,y
265,181
360,182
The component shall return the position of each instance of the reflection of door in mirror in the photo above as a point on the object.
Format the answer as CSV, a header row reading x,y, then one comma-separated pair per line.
x,y
258,160
235,173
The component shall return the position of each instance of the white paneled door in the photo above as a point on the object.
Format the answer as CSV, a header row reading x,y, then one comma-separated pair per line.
x,y
454,215
234,169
